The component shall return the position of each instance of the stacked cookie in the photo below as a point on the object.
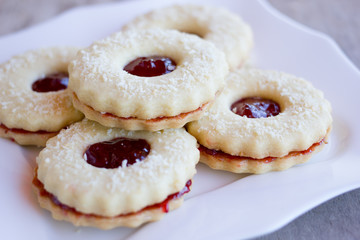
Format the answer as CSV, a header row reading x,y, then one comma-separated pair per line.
x,y
35,104
130,160
263,121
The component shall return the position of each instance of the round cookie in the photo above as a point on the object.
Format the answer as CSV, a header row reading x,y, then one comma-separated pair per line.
x,y
33,103
115,192
223,28
110,95
240,143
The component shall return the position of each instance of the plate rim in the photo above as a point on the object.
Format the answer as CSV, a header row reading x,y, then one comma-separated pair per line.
x,y
267,6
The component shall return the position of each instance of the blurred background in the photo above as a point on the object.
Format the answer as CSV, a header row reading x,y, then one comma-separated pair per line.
x,y
339,19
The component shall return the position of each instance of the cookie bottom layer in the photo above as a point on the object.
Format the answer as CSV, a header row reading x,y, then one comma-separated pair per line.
x,y
238,164
24,137
62,212
133,123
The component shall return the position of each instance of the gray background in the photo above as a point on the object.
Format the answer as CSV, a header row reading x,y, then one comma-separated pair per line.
x,y
338,218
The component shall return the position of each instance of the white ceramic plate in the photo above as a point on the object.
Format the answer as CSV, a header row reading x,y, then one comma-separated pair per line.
x,y
221,205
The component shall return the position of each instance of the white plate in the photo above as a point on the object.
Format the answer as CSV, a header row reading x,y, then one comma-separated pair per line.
x,y
221,205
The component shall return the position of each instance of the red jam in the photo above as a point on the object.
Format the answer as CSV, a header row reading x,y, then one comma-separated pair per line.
x,y
112,154
51,83
150,66
225,156
22,131
158,119
164,205
255,107
222,156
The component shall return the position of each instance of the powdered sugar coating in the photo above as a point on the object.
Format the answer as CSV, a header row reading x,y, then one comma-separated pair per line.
x,y
305,116
110,192
23,108
99,81
215,24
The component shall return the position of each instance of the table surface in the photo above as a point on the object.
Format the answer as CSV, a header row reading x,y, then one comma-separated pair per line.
x,y
338,218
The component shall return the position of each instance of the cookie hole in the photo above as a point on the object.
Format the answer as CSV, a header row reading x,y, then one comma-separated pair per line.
x,y
51,82
194,29
150,66
255,107
118,152
194,33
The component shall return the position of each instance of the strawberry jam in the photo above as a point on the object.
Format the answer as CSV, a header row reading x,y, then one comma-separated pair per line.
x,y
164,205
150,66
118,152
225,156
51,83
222,156
22,131
255,107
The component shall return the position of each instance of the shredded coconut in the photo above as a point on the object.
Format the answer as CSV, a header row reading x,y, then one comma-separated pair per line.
x,y
99,81
171,162
23,108
305,117
225,29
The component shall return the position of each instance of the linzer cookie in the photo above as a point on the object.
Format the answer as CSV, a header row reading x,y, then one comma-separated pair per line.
x,y
225,29
34,100
263,121
103,177
147,79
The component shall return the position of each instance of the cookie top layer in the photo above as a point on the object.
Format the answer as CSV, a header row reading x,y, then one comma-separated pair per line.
x,y
305,116
215,24
63,170
23,108
99,81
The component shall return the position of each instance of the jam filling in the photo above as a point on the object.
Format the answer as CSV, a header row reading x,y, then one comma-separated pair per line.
x,y
158,119
118,152
22,131
164,205
255,107
150,66
51,83
225,156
